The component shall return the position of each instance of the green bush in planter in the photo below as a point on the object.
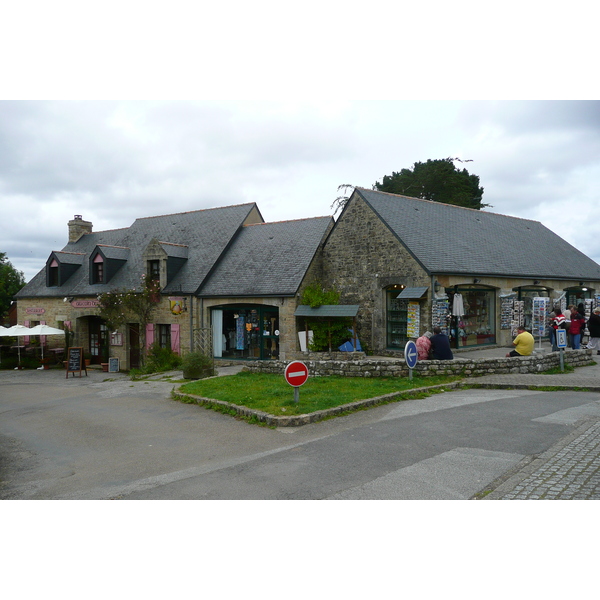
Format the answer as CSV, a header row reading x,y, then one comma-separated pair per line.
x,y
197,366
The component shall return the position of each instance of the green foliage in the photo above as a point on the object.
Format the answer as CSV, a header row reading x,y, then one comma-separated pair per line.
x,y
197,365
118,307
270,393
159,360
327,333
438,180
11,281
315,295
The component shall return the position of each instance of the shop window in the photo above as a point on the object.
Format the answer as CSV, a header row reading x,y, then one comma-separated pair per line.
x,y
526,295
396,319
246,332
477,325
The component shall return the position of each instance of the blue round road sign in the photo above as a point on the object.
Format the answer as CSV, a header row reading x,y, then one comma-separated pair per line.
x,y
410,354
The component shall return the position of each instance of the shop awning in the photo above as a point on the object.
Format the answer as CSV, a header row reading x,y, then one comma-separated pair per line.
x,y
413,293
327,310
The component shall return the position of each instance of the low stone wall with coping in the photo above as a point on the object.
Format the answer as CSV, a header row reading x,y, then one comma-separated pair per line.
x,y
466,367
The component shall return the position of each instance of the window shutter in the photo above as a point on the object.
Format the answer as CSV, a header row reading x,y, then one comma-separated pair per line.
x,y
149,335
175,338
26,337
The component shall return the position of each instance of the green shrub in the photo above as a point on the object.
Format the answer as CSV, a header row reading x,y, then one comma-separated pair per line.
x,y
158,360
197,366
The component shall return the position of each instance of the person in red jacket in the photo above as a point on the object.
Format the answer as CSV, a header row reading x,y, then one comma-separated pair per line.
x,y
577,325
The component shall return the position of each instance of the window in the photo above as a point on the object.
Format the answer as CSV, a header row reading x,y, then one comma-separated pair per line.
x,y
98,269
154,270
164,336
53,277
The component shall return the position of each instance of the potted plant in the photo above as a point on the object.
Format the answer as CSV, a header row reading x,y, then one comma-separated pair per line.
x,y
87,357
45,362
197,366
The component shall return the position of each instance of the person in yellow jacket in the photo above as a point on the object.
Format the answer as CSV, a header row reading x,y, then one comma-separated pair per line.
x,y
523,343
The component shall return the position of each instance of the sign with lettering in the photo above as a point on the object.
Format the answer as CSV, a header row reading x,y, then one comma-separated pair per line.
x,y
35,311
84,303
75,362
113,364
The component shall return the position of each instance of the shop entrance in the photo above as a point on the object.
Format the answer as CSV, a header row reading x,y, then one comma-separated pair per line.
x,y
98,340
133,331
246,332
476,326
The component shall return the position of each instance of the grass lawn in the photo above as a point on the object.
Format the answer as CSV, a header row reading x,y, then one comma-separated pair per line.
x,y
271,394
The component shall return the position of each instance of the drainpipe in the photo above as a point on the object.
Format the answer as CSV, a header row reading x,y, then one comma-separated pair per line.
x,y
191,310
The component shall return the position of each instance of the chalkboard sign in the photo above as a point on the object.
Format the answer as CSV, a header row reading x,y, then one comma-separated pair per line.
x,y
75,362
113,365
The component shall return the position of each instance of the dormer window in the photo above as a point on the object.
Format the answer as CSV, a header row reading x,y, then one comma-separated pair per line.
x,y
98,269
53,274
105,262
60,266
154,270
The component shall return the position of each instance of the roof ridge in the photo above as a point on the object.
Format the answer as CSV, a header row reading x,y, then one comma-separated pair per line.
x,y
189,212
477,210
289,221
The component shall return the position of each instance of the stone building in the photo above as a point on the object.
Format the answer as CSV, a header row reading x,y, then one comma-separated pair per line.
x,y
221,270
411,264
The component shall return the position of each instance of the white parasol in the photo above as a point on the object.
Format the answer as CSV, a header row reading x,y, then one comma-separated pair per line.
x,y
45,330
16,331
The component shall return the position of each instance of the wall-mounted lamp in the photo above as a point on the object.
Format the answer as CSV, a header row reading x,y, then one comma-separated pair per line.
x,y
436,286
581,283
536,282
476,280
68,299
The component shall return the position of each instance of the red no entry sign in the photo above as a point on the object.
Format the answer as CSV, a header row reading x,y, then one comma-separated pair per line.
x,y
296,373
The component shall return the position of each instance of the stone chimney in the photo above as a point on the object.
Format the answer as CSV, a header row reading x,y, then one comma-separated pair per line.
x,y
78,227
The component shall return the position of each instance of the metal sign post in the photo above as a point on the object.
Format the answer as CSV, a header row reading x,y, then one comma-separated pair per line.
x,y
296,374
410,356
561,342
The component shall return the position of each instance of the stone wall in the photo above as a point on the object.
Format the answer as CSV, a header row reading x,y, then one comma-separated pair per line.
x,y
475,367
361,259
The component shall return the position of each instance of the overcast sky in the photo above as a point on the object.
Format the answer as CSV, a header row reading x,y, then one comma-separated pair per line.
x,y
113,162
285,109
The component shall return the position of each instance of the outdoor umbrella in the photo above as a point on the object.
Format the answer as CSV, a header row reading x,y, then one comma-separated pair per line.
x,y
16,331
45,330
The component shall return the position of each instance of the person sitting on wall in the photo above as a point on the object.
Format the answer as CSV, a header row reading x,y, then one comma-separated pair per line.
x,y
440,345
423,344
523,343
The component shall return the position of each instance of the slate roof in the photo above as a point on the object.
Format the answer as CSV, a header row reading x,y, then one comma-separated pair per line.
x,y
450,239
206,233
327,310
268,259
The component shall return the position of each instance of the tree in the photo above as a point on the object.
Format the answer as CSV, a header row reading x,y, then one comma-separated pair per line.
x,y
438,180
118,307
11,281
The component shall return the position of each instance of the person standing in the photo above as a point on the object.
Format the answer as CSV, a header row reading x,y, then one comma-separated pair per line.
x,y
523,343
440,345
557,322
577,325
593,325
423,344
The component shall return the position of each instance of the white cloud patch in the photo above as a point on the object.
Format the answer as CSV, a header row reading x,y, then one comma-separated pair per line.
x,y
113,162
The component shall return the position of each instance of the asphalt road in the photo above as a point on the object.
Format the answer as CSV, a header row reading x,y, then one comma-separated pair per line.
x,y
106,437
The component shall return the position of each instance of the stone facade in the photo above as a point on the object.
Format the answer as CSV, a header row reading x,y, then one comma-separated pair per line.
x,y
362,258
